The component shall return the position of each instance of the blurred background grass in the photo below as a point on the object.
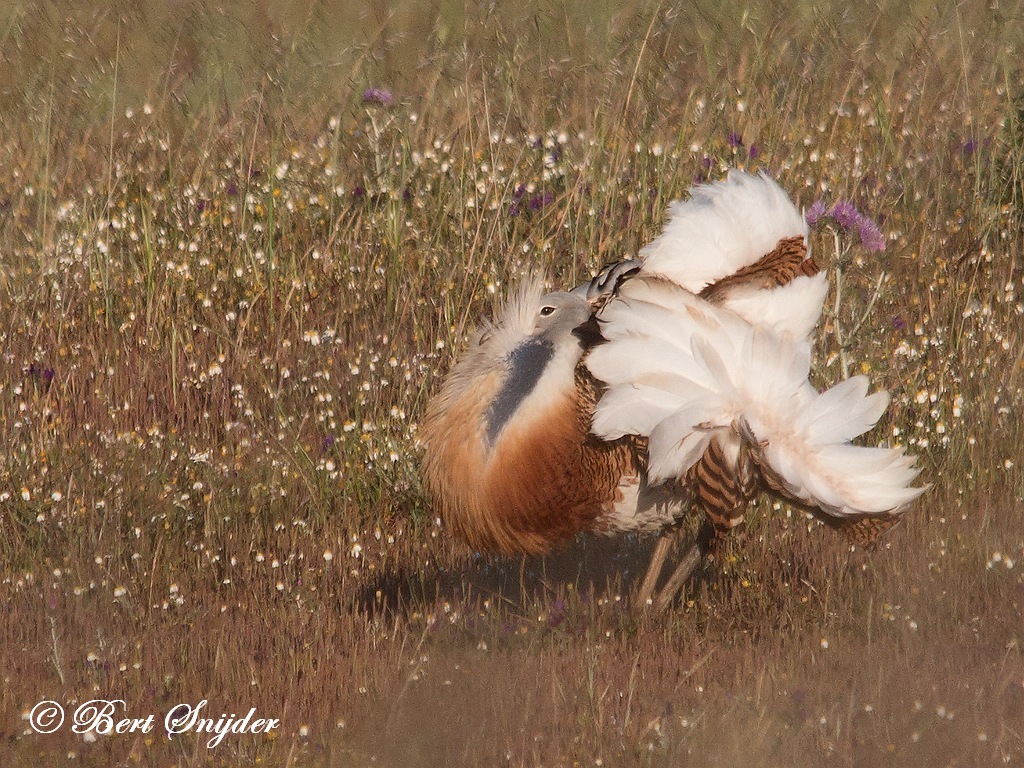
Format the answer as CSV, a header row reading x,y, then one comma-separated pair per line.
x,y
231,276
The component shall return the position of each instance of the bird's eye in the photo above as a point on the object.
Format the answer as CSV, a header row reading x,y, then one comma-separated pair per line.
x,y
546,311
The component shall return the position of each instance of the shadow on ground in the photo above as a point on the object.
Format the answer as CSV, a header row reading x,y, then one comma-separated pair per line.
x,y
591,564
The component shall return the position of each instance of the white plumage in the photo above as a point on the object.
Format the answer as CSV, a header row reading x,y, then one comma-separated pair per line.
x,y
679,370
694,390
712,234
726,226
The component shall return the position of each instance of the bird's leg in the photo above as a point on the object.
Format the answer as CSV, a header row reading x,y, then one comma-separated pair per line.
x,y
687,565
654,569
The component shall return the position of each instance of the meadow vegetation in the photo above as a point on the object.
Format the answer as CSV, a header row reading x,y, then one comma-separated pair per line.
x,y
240,244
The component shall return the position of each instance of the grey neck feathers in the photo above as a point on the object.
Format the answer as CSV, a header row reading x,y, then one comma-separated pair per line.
x,y
526,364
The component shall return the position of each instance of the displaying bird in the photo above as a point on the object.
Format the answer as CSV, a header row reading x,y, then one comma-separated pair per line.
x,y
673,383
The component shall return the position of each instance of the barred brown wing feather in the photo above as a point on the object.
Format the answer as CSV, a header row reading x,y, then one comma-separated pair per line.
x,y
863,530
721,487
779,267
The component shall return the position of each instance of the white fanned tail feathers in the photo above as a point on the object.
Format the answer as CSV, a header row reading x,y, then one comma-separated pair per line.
x,y
723,227
726,226
679,370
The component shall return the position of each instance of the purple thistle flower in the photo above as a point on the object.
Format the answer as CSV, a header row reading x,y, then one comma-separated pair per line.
x,y
871,236
815,212
899,323
735,140
519,192
539,201
970,147
375,95
846,215
754,152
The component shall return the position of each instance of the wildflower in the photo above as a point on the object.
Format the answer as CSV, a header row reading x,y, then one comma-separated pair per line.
x,y
815,212
735,140
514,207
846,215
375,95
539,201
849,219
870,235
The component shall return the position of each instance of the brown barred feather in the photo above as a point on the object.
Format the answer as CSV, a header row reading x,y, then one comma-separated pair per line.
x,y
746,472
721,488
862,530
788,261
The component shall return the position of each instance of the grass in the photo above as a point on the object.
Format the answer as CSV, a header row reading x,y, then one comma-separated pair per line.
x,y
229,285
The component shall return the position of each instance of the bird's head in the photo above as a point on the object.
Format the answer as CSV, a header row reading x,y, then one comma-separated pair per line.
x,y
533,345
532,316
521,362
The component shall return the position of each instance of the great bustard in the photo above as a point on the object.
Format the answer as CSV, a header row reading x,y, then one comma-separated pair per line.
x,y
672,382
